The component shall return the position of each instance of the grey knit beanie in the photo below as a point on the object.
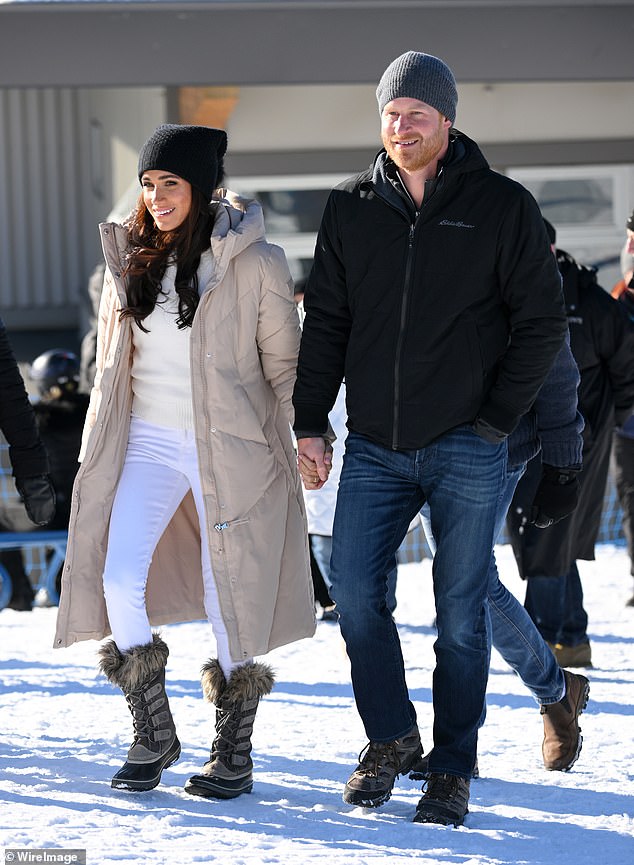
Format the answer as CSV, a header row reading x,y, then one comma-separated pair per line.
x,y
195,153
419,76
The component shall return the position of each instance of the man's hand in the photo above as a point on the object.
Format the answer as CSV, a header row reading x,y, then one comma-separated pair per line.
x,y
38,496
556,497
314,461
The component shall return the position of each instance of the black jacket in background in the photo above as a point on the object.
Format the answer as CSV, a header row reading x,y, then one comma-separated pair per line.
x,y
602,343
60,423
17,421
433,319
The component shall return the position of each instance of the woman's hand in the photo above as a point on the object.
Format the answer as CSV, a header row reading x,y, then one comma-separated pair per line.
x,y
314,461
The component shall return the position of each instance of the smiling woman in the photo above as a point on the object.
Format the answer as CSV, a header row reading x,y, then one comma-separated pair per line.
x,y
188,468
167,197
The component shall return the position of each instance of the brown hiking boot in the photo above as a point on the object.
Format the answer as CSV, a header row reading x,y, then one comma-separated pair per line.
x,y
562,734
380,763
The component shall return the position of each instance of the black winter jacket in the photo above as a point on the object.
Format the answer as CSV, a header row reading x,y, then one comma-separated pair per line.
x,y
17,421
60,423
434,319
602,342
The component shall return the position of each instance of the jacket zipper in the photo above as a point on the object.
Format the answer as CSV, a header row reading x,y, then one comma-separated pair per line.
x,y
404,299
401,334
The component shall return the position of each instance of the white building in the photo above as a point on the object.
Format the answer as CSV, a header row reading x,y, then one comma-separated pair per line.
x,y
545,87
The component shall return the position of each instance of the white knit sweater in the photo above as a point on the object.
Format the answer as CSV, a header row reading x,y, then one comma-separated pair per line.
x,y
161,377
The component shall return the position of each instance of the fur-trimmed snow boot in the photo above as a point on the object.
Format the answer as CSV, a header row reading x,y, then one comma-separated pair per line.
x,y
140,673
229,770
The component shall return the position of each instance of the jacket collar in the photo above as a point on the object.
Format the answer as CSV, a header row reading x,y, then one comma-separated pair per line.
x,y
462,155
239,222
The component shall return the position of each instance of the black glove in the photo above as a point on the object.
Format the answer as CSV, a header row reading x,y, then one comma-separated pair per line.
x,y
556,497
38,496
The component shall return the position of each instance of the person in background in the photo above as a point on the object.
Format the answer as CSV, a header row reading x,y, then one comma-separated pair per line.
x,y
320,510
187,503
434,294
622,460
88,350
602,342
59,411
553,428
29,462
318,517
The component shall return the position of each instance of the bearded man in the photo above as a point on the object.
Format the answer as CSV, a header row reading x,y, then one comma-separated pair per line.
x,y
435,294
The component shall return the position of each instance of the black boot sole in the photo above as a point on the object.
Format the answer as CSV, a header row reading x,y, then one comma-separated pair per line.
x,y
218,788
138,777
439,817
365,799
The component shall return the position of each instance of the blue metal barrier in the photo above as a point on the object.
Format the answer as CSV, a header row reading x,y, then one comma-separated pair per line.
x,y
414,548
43,551
50,547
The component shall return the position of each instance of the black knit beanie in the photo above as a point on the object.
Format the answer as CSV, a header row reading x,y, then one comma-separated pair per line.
x,y
195,153
630,222
419,76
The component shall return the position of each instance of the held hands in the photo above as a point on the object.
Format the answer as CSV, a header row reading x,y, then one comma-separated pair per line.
x,y
38,496
314,461
556,497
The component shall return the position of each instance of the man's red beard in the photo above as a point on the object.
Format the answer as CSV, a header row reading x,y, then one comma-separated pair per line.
x,y
419,155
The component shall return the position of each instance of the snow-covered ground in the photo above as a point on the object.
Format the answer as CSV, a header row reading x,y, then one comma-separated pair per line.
x,y
65,731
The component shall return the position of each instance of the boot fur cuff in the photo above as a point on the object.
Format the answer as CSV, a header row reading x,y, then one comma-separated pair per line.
x,y
247,682
129,670
213,681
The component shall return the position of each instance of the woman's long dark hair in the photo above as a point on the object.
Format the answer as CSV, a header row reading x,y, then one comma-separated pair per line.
x,y
151,250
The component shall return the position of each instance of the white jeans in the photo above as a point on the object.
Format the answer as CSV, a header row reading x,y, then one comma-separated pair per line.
x,y
161,465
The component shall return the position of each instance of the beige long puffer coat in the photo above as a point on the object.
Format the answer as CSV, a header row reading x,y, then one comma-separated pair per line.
x,y
244,345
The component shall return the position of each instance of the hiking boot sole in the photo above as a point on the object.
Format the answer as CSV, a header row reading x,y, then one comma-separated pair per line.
x,y
365,800
438,817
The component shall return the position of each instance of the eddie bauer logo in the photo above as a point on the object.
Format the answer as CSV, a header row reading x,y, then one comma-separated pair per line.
x,y
458,224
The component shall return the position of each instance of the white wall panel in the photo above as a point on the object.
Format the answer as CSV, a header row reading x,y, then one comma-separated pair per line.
x,y
41,224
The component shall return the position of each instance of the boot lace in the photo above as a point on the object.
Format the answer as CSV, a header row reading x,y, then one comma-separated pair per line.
x,y
442,787
140,717
226,729
377,758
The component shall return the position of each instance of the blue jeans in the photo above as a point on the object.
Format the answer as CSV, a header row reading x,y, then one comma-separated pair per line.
x,y
380,491
555,604
509,627
322,550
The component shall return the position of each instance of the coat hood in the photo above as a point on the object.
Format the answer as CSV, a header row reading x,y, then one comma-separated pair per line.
x,y
239,223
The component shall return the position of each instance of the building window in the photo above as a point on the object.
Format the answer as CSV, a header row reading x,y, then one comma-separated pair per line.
x,y
588,206
293,206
